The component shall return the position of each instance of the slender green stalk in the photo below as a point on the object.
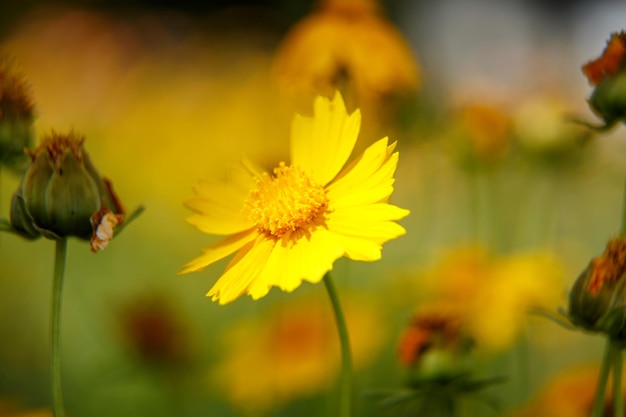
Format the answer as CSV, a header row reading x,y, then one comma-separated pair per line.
x,y
618,399
607,361
345,399
55,361
622,230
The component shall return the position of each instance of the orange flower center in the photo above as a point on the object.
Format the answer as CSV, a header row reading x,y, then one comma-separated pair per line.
x,y
285,201
608,268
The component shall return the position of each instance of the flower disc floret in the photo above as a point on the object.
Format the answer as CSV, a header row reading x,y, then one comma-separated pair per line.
x,y
285,201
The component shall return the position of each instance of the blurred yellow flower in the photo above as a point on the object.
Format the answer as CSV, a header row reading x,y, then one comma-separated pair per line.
x,y
346,40
496,293
292,352
567,394
292,225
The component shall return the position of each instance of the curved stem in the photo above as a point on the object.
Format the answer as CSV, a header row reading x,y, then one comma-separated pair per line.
x,y
55,361
345,404
598,403
618,398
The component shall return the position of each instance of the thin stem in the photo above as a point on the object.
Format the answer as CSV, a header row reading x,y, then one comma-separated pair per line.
x,y
618,399
623,230
598,403
345,404
55,361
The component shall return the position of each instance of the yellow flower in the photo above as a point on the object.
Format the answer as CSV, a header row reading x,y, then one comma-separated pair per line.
x,y
346,40
292,352
291,225
495,294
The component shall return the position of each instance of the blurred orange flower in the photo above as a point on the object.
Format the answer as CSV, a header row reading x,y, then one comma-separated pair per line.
x,y
567,394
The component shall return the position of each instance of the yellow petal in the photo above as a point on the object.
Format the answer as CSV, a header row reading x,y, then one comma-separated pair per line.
x,y
296,257
367,180
375,221
219,209
219,223
219,250
242,270
359,249
322,144
219,204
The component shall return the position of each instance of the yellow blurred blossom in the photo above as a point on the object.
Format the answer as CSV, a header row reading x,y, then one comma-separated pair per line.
x,y
292,225
496,293
346,41
292,352
568,394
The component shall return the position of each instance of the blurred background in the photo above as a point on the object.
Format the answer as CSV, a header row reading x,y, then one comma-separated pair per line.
x,y
509,201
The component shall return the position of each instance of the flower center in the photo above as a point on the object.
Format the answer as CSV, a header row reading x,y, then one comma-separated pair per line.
x,y
285,201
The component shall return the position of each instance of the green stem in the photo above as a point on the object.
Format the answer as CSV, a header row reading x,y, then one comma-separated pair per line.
x,y
598,403
623,230
345,404
618,399
57,290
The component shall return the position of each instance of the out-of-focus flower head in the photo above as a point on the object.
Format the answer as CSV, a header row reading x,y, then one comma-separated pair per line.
x,y
437,351
480,134
496,293
542,131
62,194
608,75
17,115
154,331
292,352
435,345
346,43
570,393
596,300
291,225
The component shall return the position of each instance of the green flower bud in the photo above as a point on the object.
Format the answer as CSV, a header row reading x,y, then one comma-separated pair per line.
x,y
62,194
597,298
608,74
608,100
17,116
435,347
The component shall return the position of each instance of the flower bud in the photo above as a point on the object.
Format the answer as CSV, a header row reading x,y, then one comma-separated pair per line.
x,y
62,194
608,75
435,346
596,300
16,116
